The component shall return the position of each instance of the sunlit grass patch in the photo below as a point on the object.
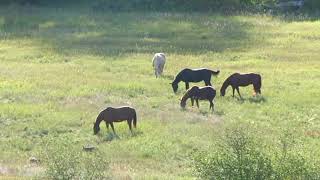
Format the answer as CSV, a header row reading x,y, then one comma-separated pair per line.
x,y
61,67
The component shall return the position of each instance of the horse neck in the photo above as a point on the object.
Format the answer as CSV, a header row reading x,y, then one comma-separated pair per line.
x,y
177,79
185,96
99,119
225,84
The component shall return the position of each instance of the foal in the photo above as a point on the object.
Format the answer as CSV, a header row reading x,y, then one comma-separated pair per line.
x,y
110,115
199,93
236,80
193,75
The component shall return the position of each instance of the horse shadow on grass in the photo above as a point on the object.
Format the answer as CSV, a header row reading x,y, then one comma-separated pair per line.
x,y
254,99
258,99
110,136
203,112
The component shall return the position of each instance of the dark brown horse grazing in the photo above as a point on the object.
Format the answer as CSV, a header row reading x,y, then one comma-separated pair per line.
x,y
199,93
118,114
193,75
236,80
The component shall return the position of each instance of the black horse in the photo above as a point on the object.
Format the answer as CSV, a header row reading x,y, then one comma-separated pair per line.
x,y
193,75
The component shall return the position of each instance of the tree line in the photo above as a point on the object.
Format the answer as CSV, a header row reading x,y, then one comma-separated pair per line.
x,y
167,5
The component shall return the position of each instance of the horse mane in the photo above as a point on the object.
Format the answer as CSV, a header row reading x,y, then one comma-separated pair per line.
x,y
99,118
225,84
176,79
187,93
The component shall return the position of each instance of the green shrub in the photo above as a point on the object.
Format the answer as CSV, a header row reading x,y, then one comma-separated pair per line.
x,y
66,162
312,4
290,164
237,159
240,158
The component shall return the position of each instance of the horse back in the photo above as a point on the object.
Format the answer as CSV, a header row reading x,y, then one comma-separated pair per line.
x,y
120,113
194,75
255,77
244,79
158,59
206,92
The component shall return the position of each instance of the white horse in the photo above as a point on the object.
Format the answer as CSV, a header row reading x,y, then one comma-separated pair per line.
x,y
158,61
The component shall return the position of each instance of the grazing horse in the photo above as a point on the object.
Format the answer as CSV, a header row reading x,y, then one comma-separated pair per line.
x,y
193,75
236,80
158,61
118,114
199,93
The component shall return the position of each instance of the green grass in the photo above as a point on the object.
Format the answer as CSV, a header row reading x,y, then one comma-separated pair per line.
x,y
60,67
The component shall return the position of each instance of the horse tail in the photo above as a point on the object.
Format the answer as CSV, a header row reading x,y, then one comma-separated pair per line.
x,y
134,119
214,72
153,61
259,84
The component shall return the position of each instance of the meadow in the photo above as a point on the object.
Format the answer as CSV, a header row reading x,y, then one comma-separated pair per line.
x,y
59,67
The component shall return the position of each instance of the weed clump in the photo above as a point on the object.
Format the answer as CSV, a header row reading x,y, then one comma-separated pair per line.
x,y
240,157
66,162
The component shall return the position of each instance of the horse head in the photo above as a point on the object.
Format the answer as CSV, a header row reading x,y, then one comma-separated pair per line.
x,y
174,87
96,128
183,104
222,92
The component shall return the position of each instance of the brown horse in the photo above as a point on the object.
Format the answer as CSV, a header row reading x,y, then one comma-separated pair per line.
x,y
118,114
199,93
236,80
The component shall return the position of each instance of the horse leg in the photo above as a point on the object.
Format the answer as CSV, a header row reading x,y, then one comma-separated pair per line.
x,y
192,101
233,91
207,83
187,85
238,92
197,101
161,68
129,123
156,73
107,124
254,91
257,90
112,128
211,106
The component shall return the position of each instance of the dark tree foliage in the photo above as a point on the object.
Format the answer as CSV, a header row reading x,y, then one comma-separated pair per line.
x,y
164,5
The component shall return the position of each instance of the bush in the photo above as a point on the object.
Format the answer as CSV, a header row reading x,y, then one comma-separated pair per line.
x,y
65,162
239,158
177,5
312,4
290,164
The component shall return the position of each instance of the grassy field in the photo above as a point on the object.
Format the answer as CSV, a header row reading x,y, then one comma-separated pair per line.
x,y
60,67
